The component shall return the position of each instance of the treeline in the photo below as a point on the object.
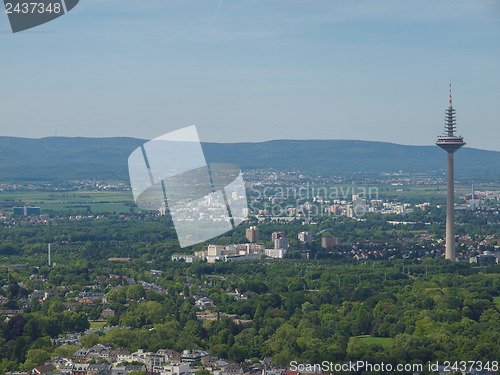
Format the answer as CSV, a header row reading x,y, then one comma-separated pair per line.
x,y
148,237
26,337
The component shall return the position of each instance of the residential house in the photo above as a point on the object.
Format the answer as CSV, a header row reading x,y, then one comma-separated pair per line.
x,y
106,313
124,356
79,369
194,355
99,369
44,370
172,369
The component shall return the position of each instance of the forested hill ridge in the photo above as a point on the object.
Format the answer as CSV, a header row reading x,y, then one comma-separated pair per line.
x,y
55,159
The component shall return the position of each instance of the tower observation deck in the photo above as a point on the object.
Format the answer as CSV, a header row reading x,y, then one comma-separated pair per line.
x,y
449,141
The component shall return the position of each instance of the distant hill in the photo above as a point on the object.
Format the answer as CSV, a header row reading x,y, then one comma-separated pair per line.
x,y
349,157
55,159
59,158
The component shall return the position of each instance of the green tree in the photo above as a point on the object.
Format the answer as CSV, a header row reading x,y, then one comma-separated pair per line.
x,y
94,314
89,340
135,292
37,356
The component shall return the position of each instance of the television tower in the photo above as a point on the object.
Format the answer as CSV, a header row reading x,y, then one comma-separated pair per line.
x,y
450,143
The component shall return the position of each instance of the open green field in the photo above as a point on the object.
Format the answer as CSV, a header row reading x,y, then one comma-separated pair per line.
x,y
97,324
385,342
76,201
408,193
423,192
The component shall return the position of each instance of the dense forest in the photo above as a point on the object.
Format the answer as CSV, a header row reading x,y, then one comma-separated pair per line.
x,y
306,310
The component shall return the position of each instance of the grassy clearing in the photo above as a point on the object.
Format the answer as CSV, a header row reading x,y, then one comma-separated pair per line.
x,y
385,342
97,324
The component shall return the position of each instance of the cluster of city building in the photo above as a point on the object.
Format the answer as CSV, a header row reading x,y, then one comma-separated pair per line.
x,y
98,185
70,185
104,359
268,177
253,250
280,203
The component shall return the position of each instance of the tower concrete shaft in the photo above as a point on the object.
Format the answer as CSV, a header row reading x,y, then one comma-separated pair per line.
x,y
450,209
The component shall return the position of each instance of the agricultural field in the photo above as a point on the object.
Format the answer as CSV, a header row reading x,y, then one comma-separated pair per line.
x,y
77,201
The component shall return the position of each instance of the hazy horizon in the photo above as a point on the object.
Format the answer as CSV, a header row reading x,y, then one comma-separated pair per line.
x,y
236,141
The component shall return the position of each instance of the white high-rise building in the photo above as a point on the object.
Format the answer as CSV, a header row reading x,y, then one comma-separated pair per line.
x,y
305,237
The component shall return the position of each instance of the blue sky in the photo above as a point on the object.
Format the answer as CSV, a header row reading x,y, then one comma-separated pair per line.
x,y
256,70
